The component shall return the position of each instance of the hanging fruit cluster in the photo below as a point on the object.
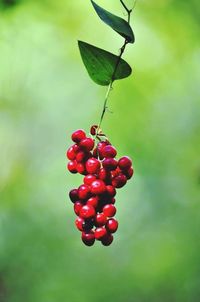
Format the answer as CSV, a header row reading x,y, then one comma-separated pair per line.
x,y
94,200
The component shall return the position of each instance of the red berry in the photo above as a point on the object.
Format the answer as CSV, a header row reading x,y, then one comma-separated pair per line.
x,y
129,173
109,151
87,144
88,238
109,210
83,192
112,200
93,201
71,155
110,164
110,190
72,166
107,240
93,165
124,163
112,225
98,187
100,147
87,212
100,219
78,135
73,195
104,175
77,207
76,148
119,181
82,156
88,179
100,233
81,168
79,223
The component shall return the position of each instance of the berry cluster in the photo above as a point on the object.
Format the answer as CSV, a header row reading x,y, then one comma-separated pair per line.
x,y
103,174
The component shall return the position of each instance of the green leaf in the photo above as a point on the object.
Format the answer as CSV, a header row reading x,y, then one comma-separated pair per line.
x,y
118,24
101,64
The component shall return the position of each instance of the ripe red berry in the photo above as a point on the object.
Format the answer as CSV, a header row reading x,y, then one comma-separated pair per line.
x,y
88,179
107,240
79,223
109,151
129,173
112,225
71,155
72,166
104,175
124,163
98,187
81,168
87,212
77,207
78,135
119,181
100,147
87,144
73,195
76,148
109,210
110,164
110,190
93,165
84,192
82,156
100,233
88,238
93,201
100,219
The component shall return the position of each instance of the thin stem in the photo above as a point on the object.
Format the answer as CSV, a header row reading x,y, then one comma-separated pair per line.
x,y
122,49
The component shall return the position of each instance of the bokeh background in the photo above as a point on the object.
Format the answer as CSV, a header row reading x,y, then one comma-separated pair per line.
x,y
45,94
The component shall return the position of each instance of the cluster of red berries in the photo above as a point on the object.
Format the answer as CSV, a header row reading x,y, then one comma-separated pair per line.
x,y
103,174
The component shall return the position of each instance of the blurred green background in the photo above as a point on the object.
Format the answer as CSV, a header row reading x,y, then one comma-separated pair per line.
x,y
45,94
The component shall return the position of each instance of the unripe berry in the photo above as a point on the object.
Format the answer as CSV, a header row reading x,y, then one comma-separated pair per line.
x,y
73,195
84,192
109,210
119,181
72,166
71,155
77,207
100,219
88,238
112,225
100,233
109,151
87,144
87,212
93,201
110,164
107,240
124,163
78,135
98,187
92,165
88,179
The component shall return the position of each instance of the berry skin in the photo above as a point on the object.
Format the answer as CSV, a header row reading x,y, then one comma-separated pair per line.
x,y
88,238
78,135
93,165
79,223
124,163
129,173
71,155
109,151
98,187
77,207
87,144
100,148
82,156
88,179
110,164
81,168
76,148
107,240
109,210
104,175
73,195
100,233
119,181
112,225
100,219
93,201
72,166
87,212
110,190
83,192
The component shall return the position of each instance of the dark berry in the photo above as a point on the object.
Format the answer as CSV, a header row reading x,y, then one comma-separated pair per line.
x,y
110,164
109,210
129,173
124,163
107,240
104,175
98,187
100,233
119,181
87,144
78,135
109,151
84,192
88,238
73,195
112,225
93,129
110,190
93,165
87,212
